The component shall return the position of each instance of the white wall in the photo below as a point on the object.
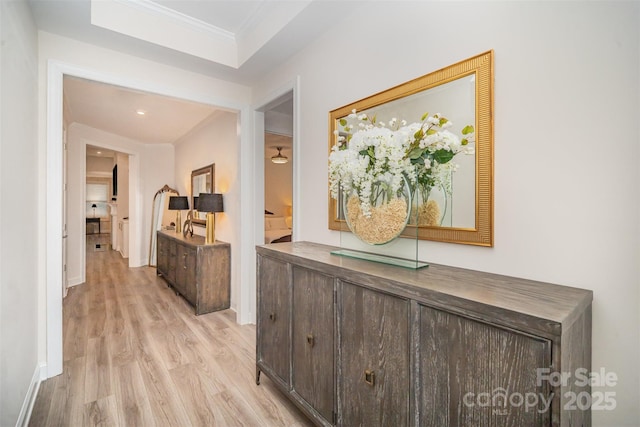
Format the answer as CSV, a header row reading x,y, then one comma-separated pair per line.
x,y
19,274
216,141
278,123
566,143
99,166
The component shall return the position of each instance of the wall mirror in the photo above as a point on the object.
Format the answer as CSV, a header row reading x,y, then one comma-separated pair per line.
x,y
462,92
202,181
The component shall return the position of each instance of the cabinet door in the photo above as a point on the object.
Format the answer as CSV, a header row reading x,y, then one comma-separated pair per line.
x,y
190,274
312,339
373,358
171,274
213,278
472,373
163,255
274,302
185,262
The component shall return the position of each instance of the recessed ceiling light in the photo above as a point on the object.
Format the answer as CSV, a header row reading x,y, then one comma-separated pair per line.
x,y
141,112
99,152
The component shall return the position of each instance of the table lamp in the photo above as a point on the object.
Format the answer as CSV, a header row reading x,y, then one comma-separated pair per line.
x,y
178,203
210,203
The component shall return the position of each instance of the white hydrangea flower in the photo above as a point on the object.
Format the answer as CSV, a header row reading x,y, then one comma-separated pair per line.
x,y
376,160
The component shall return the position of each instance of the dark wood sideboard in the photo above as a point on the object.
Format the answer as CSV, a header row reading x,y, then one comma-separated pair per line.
x,y
353,342
201,273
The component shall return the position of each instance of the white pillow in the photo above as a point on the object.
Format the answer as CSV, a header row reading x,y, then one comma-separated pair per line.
x,y
267,222
277,223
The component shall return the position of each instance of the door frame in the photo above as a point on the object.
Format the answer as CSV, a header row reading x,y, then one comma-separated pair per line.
x,y
52,200
55,212
259,149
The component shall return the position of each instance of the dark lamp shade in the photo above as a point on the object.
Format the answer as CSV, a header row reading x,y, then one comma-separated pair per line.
x,y
178,203
94,205
210,202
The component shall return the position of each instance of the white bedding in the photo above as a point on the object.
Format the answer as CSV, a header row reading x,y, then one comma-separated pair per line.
x,y
275,227
271,235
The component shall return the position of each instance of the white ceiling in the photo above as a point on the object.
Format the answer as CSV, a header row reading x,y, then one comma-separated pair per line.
x,y
93,151
271,143
263,33
115,109
243,24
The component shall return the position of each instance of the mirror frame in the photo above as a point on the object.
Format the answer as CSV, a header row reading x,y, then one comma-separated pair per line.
x,y
482,66
202,171
154,226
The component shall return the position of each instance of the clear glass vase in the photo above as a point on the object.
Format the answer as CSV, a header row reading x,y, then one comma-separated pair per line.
x,y
388,213
430,206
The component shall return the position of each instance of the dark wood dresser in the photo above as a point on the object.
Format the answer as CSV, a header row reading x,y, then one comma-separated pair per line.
x,y
353,342
201,273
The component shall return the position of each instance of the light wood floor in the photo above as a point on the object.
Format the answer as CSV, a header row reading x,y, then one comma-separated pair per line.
x,y
136,355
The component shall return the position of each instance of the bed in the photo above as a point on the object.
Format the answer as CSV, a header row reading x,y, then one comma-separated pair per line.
x,y
277,229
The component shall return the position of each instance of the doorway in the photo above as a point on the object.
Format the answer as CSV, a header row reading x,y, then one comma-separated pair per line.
x,y
278,170
54,195
107,201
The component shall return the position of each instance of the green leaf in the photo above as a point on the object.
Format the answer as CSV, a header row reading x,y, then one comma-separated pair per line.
x,y
467,130
343,122
415,153
443,156
431,132
424,116
418,135
464,141
442,121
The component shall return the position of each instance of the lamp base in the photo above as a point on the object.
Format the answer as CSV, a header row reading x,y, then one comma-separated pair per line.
x,y
211,229
178,222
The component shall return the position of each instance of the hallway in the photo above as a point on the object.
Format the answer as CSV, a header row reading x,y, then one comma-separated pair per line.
x,y
136,355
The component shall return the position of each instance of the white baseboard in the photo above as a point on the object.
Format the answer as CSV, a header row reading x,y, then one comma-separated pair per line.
x,y
30,398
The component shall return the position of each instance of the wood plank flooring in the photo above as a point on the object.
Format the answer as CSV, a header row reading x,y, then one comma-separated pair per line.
x,y
135,354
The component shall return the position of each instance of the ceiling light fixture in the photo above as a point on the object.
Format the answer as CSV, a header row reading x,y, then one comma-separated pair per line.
x,y
141,112
279,158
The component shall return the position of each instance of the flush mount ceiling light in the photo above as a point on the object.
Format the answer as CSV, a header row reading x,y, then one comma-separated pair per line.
x,y
279,158
141,112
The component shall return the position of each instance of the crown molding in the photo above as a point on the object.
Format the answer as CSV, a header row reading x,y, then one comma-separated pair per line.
x,y
151,7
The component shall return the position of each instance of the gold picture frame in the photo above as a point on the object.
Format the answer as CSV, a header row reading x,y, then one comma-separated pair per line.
x,y
479,71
